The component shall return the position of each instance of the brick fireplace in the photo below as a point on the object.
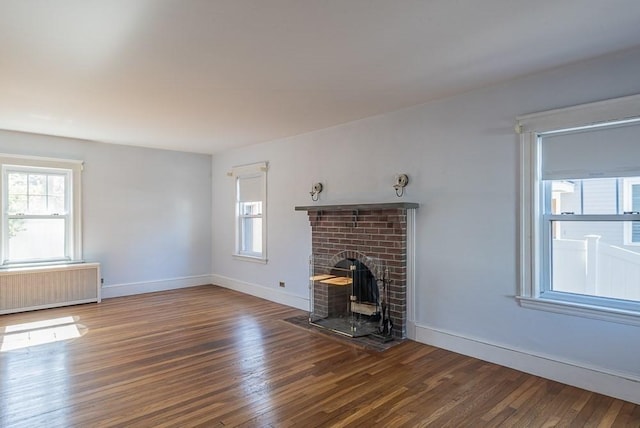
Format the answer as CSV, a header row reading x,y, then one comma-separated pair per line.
x,y
376,236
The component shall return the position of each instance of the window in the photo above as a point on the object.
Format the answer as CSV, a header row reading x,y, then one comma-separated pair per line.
x,y
251,191
41,210
580,210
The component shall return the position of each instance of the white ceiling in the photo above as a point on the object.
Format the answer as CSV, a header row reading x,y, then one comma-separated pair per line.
x,y
204,76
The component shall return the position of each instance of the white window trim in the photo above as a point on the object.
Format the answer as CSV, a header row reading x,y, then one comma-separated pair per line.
x,y
530,127
249,171
74,249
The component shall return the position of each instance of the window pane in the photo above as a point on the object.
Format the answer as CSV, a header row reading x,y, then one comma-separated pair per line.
x,y
17,182
589,196
250,208
37,204
609,151
250,188
17,193
37,184
251,240
55,205
17,204
591,258
635,232
635,206
56,185
600,196
33,239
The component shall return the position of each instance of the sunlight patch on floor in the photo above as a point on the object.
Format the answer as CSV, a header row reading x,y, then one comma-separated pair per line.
x,y
36,333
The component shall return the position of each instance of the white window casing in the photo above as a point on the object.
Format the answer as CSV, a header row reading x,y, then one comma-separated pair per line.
x,y
568,144
250,212
71,170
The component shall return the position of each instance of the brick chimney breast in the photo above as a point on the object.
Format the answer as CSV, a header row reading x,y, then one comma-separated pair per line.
x,y
375,235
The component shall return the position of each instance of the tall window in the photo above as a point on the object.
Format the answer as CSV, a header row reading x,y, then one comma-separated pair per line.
x,y
251,192
580,225
40,206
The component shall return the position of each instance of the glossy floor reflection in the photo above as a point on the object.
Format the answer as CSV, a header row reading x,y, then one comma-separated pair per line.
x,y
207,356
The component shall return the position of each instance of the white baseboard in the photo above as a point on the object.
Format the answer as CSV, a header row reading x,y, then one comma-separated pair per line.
x,y
624,386
261,291
119,290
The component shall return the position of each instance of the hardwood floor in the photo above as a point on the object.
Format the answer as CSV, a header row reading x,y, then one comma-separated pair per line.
x,y
206,356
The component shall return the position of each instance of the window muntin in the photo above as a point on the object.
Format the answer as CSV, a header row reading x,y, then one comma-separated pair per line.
x,y
41,210
251,211
576,164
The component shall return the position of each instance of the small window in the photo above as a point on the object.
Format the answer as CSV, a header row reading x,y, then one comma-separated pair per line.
x,y
40,200
580,205
250,206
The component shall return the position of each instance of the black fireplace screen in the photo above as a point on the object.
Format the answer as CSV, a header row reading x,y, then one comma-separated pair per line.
x,y
365,287
345,295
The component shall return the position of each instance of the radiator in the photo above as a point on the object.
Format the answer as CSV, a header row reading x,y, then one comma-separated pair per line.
x,y
25,289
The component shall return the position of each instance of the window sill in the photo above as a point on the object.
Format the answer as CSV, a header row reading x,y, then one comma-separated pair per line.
x,y
582,310
32,265
252,259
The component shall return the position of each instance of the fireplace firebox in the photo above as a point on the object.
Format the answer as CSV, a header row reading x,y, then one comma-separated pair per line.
x,y
346,296
364,284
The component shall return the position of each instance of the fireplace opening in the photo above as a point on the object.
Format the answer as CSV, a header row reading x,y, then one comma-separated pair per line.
x,y
345,295
365,286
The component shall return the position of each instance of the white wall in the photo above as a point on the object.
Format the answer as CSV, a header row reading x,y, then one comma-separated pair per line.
x,y
146,213
461,155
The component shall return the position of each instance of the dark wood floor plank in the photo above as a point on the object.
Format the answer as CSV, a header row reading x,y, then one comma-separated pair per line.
x,y
211,357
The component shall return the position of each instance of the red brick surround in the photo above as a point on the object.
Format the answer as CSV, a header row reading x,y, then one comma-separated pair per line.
x,y
376,236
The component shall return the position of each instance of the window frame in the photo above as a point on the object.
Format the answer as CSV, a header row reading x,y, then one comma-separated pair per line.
x,y
72,169
239,173
535,225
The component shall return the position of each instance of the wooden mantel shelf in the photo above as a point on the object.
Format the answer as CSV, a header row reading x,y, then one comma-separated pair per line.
x,y
352,207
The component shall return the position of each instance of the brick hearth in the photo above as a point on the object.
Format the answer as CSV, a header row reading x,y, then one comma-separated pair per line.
x,y
374,234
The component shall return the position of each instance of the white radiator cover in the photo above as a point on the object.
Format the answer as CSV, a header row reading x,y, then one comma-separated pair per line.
x,y
26,289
